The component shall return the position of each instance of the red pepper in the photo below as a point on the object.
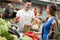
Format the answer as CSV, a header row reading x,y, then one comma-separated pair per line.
x,y
32,35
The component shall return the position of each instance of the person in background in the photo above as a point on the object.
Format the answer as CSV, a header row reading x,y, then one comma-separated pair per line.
x,y
50,24
15,12
8,11
1,15
25,15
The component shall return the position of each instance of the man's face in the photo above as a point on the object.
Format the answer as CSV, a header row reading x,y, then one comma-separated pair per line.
x,y
28,5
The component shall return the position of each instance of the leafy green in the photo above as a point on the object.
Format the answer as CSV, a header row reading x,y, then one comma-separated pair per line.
x,y
0,32
8,24
2,22
7,35
4,25
3,28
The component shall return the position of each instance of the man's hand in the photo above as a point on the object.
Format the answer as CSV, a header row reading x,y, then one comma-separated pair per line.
x,y
16,19
37,33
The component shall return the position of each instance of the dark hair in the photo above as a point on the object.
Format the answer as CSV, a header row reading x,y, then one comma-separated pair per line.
x,y
28,0
17,9
53,9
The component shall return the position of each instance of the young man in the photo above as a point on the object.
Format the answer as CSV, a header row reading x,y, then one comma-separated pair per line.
x,y
25,15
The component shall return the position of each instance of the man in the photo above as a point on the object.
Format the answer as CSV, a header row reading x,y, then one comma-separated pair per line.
x,y
25,15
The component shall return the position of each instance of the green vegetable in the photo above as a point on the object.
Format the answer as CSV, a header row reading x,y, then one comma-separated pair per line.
x,y
0,32
3,28
7,35
8,24
4,25
25,38
2,22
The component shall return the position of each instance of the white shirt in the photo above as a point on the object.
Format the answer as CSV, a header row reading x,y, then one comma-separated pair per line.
x,y
24,18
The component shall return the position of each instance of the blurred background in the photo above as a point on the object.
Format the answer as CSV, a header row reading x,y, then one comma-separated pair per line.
x,y
40,4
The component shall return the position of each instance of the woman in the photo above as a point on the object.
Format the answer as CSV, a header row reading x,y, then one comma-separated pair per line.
x,y
50,22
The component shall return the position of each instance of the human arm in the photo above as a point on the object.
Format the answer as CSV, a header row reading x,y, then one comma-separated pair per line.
x,y
16,19
53,28
38,33
55,25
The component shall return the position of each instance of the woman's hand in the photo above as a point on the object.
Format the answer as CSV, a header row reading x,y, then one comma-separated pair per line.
x,y
37,33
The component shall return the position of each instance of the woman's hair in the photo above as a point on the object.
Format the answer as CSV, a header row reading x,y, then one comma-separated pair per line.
x,y
53,9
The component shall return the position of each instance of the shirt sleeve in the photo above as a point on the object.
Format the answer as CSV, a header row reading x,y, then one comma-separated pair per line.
x,y
18,14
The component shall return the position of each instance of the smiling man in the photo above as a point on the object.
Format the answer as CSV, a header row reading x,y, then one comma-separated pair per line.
x,y
25,15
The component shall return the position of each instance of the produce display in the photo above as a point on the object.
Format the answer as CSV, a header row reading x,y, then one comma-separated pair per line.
x,y
32,35
4,26
7,35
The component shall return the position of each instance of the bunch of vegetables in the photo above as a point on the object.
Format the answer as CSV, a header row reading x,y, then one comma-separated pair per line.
x,y
4,26
7,35
32,35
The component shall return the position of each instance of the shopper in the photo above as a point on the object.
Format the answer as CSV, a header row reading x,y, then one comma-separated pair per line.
x,y
25,15
8,11
50,23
